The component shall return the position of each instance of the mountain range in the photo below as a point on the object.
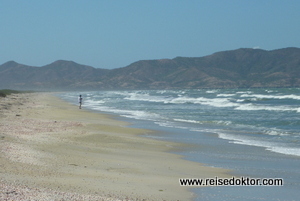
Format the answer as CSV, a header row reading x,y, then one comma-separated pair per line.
x,y
241,68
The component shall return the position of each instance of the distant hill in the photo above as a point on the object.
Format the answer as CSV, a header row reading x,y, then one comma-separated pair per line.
x,y
241,68
59,75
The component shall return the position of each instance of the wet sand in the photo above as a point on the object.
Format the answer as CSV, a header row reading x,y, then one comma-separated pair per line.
x,y
51,150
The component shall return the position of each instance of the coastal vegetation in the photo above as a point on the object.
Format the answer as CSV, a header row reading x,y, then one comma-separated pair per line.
x,y
6,92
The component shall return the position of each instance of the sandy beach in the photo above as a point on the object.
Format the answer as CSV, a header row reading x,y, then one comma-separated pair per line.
x,y
51,150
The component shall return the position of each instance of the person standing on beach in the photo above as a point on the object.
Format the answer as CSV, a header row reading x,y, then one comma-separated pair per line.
x,y
80,101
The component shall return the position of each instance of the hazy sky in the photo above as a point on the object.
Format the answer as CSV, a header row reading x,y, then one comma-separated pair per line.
x,y
114,33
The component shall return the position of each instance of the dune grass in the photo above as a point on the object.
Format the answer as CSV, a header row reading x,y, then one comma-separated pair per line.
x,y
6,92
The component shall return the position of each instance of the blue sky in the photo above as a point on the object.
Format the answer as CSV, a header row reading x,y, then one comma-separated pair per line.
x,y
115,33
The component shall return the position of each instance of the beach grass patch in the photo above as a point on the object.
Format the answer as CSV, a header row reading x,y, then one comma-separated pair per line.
x,y
6,92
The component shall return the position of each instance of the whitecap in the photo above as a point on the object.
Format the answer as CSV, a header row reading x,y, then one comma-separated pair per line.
x,y
223,122
253,107
187,121
145,97
211,91
225,95
276,132
261,96
216,102
244,92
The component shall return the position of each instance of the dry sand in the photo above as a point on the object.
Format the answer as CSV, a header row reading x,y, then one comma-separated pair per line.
x,y
51,150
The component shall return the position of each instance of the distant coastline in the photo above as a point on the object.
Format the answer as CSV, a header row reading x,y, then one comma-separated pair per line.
x,y
241,68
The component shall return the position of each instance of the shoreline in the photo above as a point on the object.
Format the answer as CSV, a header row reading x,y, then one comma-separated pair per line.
x,y
49,144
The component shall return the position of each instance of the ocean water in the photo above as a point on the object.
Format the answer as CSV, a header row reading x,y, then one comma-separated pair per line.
x,y
254,132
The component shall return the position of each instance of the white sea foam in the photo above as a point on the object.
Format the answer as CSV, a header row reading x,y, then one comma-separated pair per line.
x,y
135,114
262,96
270,146
170,124
276,132
223,122
244,92
142,115
225,95
188,121
211,91
285,150
247,100
145,97
253,107
90,102
216,102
